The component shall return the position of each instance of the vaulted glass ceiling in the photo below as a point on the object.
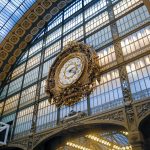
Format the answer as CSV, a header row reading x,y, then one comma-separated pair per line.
x,y
10,12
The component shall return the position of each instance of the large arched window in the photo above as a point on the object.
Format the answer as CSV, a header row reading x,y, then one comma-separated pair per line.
x,y
108,26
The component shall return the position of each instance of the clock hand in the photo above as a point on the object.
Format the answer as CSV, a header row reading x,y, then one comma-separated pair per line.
x,y
72,70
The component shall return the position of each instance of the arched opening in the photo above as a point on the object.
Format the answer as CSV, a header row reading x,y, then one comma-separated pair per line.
x,y
145,129
92,137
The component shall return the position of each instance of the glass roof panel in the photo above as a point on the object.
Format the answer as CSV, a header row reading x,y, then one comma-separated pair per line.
x,y
10,12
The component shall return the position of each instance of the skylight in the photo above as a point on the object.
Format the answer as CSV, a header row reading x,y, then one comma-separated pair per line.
x,y
10,12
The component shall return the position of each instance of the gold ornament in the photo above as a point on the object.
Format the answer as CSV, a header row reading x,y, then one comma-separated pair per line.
x,y
73,74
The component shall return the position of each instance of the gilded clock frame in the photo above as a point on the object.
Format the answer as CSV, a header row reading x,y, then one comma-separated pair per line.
x,y
83,86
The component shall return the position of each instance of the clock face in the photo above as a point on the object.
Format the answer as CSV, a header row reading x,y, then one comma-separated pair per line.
x,y
71,71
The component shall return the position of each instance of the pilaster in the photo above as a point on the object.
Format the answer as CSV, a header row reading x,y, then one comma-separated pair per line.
x,y
136,140
135,137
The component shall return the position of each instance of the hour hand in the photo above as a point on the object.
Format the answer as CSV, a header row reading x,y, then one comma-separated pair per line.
x,y
72,70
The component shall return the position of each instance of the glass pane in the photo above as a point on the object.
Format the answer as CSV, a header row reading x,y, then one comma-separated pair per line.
x,y
95,9
33,61
76,21
35,48
24,121
100,38
124,6
75,35
18,71
11,104
28,96
133,20
47,115
139,78
31,77
136,43
4,92
97,22
47,66
15,85
107,93
107,55
74,7
52,49
53,36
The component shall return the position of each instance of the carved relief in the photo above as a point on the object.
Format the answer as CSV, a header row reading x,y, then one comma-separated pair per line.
x,y
118,52
35,112
41,24
28,38
23,44
7,67
3,54
35,30
32,17
130,116
72,119
54,11
46,4
118,115
20,31
26,24
130,113
47,17
125,85
14,39
30,142
61,4
143,109
39,10
12,59
17,52
8,46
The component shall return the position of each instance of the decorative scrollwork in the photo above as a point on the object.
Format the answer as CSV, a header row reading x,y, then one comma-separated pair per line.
x,y
118,115
142,109
84,85
130,113
118,52
125,86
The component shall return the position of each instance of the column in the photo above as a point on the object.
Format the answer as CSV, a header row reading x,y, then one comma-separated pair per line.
x,y
136,140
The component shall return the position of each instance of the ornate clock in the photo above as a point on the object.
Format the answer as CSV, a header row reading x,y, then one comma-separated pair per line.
x,y
73,74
